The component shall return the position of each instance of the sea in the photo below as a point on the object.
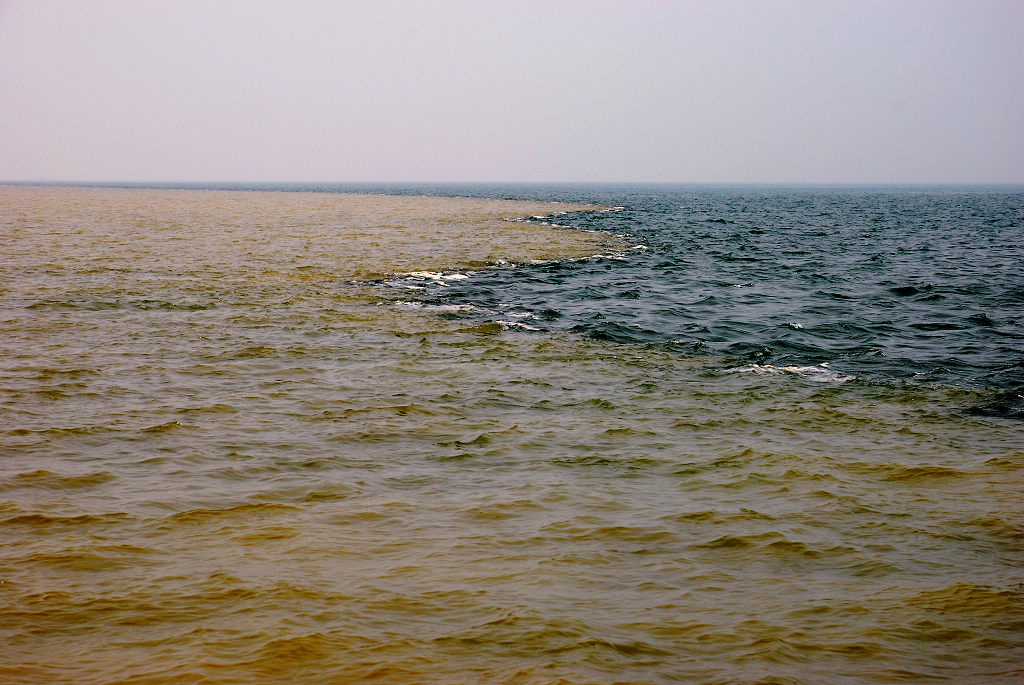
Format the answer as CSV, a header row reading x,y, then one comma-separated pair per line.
x,y
511,433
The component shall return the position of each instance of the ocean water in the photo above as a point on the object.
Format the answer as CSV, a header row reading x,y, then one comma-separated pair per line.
x,y
661,434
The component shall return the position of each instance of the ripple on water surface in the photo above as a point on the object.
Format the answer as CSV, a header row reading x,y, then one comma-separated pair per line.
x,y
252,437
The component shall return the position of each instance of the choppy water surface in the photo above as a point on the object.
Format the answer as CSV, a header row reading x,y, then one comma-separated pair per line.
x,y
720,435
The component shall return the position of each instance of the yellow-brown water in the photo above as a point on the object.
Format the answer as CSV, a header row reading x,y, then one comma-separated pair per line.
x,y
237,448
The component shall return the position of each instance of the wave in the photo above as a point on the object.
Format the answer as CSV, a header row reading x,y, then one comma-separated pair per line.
x,y
241,512
42,478
818,374
37,520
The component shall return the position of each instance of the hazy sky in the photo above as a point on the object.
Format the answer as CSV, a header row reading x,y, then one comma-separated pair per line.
x,y
477,90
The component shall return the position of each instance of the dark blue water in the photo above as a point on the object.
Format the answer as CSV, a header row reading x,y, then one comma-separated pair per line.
x,y
923,285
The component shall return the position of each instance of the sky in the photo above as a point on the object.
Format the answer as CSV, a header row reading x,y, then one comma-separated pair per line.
x,y
900,91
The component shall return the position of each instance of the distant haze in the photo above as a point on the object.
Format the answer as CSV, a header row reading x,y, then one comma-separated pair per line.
x,y
920,91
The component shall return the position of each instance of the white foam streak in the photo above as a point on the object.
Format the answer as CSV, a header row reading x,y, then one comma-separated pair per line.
x,y
411,278
407,304
517,325
818,374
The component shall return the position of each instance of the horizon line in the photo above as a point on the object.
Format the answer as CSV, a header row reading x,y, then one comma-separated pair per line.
x,y
236,183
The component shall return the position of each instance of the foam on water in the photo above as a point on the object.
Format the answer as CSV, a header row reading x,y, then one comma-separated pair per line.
x,y
820,373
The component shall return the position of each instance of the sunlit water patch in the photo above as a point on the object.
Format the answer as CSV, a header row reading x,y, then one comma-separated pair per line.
x,y
251,437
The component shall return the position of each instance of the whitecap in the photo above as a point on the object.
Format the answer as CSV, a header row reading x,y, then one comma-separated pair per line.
x,y
449,308
517,325
433,275
819,374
